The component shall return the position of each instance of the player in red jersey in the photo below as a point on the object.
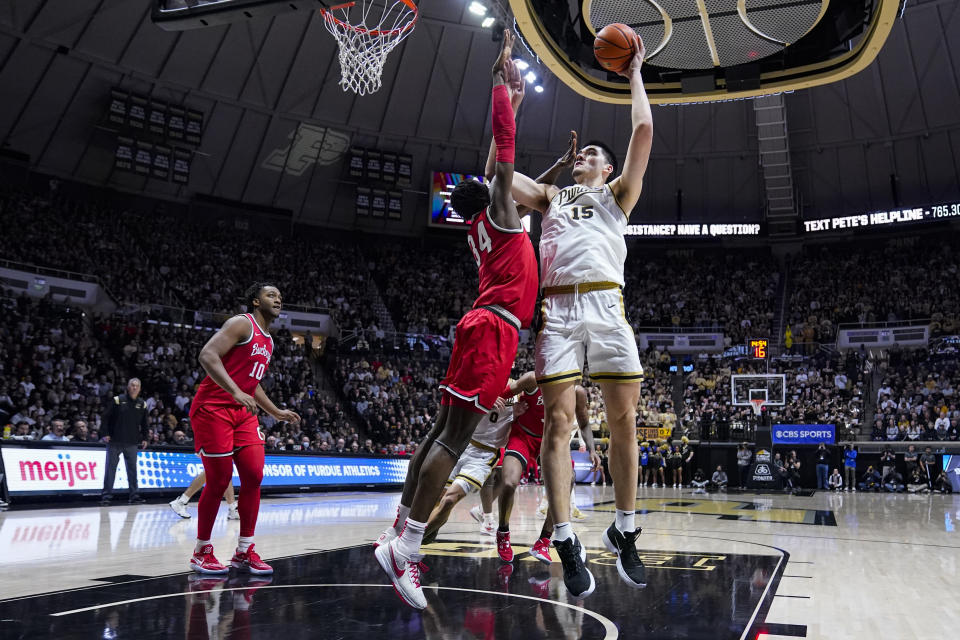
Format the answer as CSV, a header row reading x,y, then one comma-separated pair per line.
x,y
486,340
523,447
225,426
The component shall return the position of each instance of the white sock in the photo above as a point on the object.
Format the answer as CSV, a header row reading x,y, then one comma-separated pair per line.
x,y
244,543
488,514
402,513
184,498
562,531
573,499
201,544
409,541
624,521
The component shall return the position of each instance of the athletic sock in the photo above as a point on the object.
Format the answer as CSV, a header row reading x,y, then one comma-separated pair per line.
x,y
402,513
244,543
562,531
201,544
408,544
624,522
183,499
504,528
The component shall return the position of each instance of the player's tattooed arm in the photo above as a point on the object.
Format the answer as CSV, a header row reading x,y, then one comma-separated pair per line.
x,y
234,330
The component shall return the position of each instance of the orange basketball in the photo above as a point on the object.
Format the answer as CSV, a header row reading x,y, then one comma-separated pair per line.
x,y
614,46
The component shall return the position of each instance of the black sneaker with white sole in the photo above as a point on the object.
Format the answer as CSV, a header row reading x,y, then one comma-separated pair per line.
x,y
629,565
577,578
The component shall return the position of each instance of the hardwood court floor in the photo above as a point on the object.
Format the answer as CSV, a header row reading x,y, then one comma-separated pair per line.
x,y
719,566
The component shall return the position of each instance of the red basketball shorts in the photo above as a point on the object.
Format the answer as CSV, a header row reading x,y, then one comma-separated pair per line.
x,y
483,353
219,430
522,445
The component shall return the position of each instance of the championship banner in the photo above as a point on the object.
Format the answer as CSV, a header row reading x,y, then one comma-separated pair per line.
x,y
804,433
40,470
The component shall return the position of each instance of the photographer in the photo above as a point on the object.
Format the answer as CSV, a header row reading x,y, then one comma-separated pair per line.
x,y
823,465
893,482
888,461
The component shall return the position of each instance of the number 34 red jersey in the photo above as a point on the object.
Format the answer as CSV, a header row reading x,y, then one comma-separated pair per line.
x,y
508,267
246,363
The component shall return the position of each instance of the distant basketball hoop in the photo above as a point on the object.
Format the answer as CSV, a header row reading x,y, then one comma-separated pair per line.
x,y
758,405
365,41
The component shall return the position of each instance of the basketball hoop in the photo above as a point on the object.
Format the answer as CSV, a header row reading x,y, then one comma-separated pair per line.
x,y
365,43
757,404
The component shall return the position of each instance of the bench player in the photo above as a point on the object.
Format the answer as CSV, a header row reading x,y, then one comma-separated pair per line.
x,y
582,253
225,426
485,346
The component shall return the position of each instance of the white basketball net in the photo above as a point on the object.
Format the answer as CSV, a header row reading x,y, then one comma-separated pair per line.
x,y
366,40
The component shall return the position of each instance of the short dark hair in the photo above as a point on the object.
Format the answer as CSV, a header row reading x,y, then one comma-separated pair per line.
x,y
469,197
608,154
253,292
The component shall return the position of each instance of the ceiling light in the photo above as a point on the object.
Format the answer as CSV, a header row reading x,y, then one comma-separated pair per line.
x,y
477,8
531,76
488,22
538,89
521,64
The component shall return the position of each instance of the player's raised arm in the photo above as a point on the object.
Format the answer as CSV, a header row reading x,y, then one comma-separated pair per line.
x,y
628,185
234,330
516,86
503,211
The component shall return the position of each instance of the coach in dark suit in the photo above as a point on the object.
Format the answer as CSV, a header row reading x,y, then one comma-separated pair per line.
x,y
124,427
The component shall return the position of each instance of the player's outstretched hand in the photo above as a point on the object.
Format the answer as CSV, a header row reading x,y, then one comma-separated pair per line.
x,y
520,408
633,69
595,462
501,66
499,404
570,155
246,401
287,416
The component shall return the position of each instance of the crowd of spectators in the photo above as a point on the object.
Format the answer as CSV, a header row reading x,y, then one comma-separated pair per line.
x,y
734,292
909,279
54,380
917,399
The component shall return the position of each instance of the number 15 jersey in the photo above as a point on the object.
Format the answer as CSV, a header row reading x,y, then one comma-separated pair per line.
x,y
246,363
581,238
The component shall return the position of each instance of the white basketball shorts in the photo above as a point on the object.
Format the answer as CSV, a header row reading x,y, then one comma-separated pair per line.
x,y
473,468
588,325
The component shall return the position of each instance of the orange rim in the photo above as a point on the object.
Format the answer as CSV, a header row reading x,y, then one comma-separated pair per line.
x,y
329,17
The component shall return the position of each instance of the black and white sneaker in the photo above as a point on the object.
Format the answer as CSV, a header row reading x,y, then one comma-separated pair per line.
x,y
577,578
629,566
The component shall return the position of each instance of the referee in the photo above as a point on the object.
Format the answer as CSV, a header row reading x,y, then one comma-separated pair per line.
x,y
125,426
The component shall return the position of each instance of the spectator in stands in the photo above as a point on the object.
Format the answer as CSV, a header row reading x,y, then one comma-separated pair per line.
x,y
56,432
850,466
835,481
341,446
719,479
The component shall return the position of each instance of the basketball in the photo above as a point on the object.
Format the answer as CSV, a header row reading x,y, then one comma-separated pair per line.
x,y
614,46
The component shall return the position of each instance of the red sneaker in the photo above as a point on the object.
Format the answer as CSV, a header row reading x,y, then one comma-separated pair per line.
x,y
541,550
204,561
503,546
250,560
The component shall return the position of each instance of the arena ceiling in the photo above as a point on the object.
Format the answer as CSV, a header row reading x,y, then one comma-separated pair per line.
x,y
892,130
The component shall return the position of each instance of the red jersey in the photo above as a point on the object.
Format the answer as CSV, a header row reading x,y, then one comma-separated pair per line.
x,y
246,363
508,268
532,419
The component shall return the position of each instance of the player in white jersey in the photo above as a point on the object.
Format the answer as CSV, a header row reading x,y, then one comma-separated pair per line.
x,y
474,466
582,252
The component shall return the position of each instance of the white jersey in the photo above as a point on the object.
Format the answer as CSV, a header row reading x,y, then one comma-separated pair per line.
x,y
494,429
582,237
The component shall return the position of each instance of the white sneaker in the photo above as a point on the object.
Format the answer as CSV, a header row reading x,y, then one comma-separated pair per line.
x,y
477,513
179,508
389,534
405,576
542,509
656,486
489,526
233,513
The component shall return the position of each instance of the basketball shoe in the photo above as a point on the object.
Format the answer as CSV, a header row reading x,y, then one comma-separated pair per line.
x,y
179,507
250,560
541,550
203,561
489,526
576,514
629,565
405,576
503,546
476,513
577,578
233,513
389,534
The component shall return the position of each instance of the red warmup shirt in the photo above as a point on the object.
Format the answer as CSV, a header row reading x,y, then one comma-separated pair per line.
x,y
246,363
532,419
508,267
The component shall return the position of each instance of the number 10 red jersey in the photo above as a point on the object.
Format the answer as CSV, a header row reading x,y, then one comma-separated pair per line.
x,y
246,363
